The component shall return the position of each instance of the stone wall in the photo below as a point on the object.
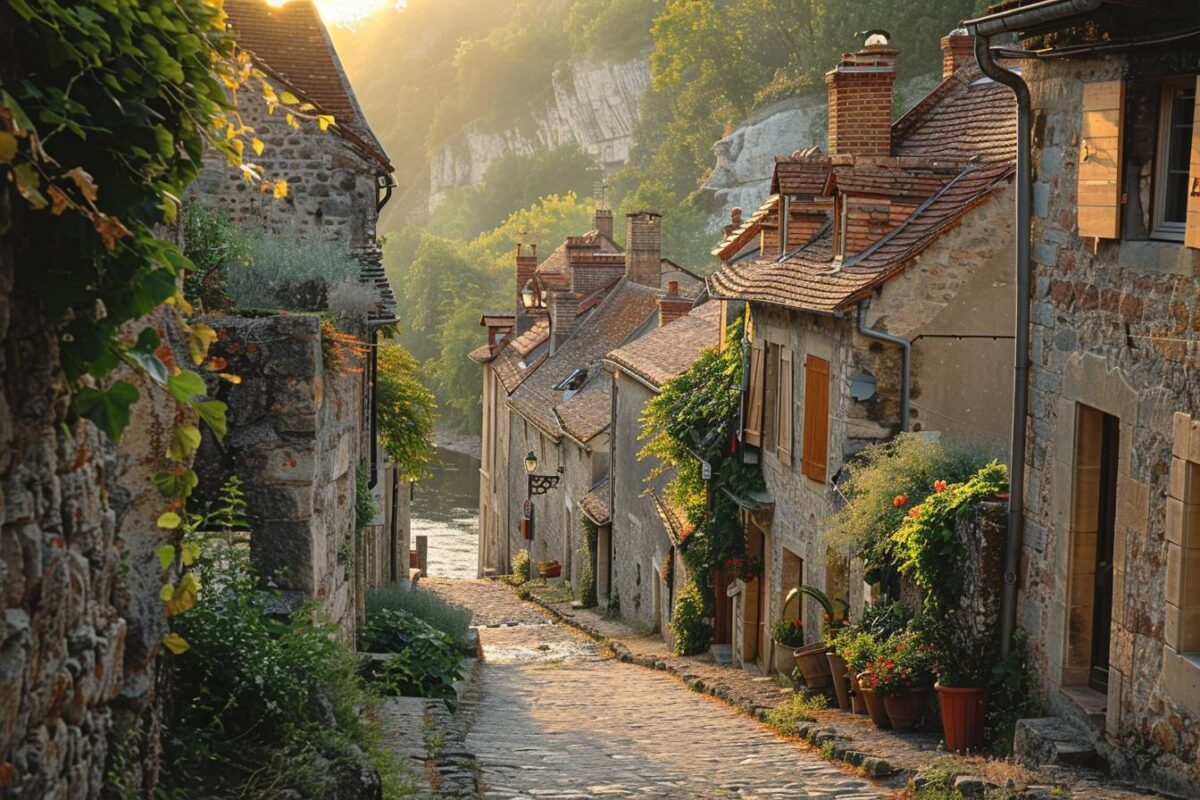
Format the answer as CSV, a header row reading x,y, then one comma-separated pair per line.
x,y
296,440
1115,330
80,619
331,184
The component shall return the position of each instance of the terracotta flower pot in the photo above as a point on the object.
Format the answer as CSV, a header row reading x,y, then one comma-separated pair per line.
x,y
857,703
785,658
962,716
814,666
906,709
875,708
413,559
841,681
552,569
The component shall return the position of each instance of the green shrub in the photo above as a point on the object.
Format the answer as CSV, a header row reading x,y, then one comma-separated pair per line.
x,y
449,618
788,631
521,566
289,272
215,245
427,662
787,716
690,632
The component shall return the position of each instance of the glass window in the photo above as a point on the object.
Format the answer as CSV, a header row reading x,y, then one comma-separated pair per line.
x,y
1174,146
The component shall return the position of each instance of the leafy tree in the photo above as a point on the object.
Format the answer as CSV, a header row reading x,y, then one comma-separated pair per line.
x,y
406,413
612,29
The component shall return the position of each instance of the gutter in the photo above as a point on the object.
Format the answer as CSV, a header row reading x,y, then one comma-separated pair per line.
x,y
906,371
983,28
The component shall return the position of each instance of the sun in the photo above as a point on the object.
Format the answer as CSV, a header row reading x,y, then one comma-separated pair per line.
x,y
346,12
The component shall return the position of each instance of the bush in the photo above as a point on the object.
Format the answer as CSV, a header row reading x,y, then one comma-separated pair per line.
x,y
788,632
690,632
449,618
786,717
287,272
521,566
427,662
261,706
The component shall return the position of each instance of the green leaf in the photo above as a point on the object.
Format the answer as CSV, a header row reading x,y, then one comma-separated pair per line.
x,y
184,441
109,408
172,485
166,556
142,356
186,386
169,520
190,552
213,413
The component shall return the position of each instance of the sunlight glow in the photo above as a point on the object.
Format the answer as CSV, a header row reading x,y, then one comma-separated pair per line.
x,y
346,12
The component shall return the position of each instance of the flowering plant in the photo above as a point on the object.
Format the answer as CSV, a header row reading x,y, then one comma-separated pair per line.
x,y
903,663
746,568
788,632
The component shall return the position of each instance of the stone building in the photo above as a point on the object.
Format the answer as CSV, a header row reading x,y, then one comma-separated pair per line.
x,y
301,430
640,544
1109,567
879,296
543,392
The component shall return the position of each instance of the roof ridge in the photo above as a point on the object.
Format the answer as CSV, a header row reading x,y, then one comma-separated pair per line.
x,y
912,119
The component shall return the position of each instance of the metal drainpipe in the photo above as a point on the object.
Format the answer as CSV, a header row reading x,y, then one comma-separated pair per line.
x,y
906,371
1016,500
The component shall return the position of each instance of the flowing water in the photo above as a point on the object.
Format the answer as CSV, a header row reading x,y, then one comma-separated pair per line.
x,y
446,509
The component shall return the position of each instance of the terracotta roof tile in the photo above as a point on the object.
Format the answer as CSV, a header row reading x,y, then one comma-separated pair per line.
x,y
800,174
626,308
667,352
291,43
966,116
512,364
595,503
807,279
588,412
556,262
891,181
742,235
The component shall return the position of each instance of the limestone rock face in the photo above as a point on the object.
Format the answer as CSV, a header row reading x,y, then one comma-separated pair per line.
x,y
592,104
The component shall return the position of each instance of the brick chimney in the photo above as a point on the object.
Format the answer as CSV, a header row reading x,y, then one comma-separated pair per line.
x,y
735,220
860,100
526,267
958,50
643,248
671,306
604,222
562,306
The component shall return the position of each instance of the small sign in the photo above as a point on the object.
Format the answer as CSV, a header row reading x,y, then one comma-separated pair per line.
x,y
527,509
706,470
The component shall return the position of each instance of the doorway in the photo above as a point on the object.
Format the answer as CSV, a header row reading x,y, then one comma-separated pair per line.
x,y
1097,458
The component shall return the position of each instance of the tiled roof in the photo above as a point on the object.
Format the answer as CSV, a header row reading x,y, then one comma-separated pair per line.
x,y
595,503
627,307
677,527
667,352
481,354
508,362
800,174
893,181
967,115
740,236
556,262
291,43
587,413
807,279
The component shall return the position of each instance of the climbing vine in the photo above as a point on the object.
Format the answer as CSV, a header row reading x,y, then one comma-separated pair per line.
x,y
106,111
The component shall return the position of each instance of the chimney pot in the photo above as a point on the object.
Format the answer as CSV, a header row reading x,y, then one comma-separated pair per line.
x,y
643,248
958,50
604,222
860,101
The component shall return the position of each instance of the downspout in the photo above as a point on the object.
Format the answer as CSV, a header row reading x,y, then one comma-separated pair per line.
x,y
906,370
1016,472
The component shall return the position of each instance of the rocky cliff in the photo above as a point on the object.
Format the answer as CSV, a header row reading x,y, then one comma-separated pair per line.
x,y
592,104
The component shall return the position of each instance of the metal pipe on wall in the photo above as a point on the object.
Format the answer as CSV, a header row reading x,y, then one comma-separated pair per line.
x,y
906,370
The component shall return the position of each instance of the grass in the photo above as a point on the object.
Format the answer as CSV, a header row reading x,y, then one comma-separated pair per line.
x,y
787,716
450,618
554,593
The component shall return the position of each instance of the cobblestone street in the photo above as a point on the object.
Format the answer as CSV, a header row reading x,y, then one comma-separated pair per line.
x,y
556,719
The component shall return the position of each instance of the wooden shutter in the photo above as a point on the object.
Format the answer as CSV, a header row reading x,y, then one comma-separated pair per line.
x,y
1192,235
816,418
784,420
1099,183
754,398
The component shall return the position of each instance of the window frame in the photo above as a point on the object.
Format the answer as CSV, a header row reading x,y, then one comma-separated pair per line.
x,y
1160,228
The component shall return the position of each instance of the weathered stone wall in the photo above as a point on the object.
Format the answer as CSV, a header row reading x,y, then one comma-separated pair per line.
x,y
80,620
331,184
548,509
640,543
295,438
1114,330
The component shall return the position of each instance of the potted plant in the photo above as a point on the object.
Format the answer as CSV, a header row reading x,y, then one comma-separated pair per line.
x,y
963,665
811,660
868,684
837,669
549,569
788,634
857,648
904,678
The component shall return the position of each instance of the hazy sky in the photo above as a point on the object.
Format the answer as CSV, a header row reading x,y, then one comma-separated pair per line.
x,y
341,12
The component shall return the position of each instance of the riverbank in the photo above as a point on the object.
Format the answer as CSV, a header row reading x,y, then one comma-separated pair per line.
x,y
457,441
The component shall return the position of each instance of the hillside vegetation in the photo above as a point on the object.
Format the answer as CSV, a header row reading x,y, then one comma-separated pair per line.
x,y
433,70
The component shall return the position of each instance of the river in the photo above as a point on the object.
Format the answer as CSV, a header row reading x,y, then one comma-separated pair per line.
x,y
446,509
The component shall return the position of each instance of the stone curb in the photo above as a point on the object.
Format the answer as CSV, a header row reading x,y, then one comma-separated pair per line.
x,y
873,766
458,774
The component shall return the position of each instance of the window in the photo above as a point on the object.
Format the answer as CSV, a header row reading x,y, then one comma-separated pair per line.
x,y
1171,181
816,418
752,413
1183,547
771,391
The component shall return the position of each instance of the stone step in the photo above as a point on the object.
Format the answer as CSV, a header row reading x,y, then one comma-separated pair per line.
x,y
1050,740
722,653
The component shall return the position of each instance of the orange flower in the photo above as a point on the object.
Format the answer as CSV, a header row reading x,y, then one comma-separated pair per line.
x,y
900,500
914,512
939,486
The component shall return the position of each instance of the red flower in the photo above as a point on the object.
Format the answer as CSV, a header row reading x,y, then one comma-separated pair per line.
x,y
914,512
900,500
939,486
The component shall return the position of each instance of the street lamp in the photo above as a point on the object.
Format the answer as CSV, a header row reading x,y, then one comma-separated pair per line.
x,y
539,484
533,299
